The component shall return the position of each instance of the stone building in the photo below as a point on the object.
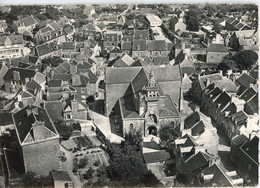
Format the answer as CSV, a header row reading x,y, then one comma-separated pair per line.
x,y
38,140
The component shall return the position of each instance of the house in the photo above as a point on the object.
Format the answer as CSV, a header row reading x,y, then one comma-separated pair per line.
x,y
11,46
116,52
126,47
139,48
156,160
52,32
244,40
112,39
38,140
16,77
201,82
47,50
157,48
216,53
61,179
215,175
235,25
6,124
141,34
154,20
243,82
75,109
124,61
244,154
179,25
26,24
144,100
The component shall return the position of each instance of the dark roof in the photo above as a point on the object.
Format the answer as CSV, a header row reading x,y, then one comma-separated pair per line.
x,y
151,145
162,60
198,128
251,105
24,121
55,83
43,50
139,45
63,77
239,140
245,80
217,48
116,50
54,109
92,77
219,175
251,148
60,175
140,63
90,27
192,119
154,157
121,74
197,162
126,45
15,39
141,34
158,45
248,94
67,46
127,107
166,107
24,73
6,119
223,99
27,21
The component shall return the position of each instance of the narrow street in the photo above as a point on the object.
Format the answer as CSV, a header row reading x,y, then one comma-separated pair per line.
x,y
224,145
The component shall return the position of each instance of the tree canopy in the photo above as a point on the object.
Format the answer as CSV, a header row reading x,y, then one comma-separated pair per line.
x,y
127,167
169,132
192,20
245,59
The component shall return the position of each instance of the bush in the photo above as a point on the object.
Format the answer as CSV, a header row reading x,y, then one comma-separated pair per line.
x,y
89,174
96,163
83,162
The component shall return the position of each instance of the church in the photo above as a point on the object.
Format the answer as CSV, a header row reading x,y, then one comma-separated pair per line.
x,y
148,101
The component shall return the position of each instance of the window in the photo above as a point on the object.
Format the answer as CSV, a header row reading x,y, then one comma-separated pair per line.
x,y
68,116
131,127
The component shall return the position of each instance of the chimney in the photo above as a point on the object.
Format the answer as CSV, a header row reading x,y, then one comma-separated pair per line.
x,y
244,71
229,72
185,75
74,105
207,82
16,75
196,109
183,45
251,85
16,105
19,98
223,89
220,72
227,113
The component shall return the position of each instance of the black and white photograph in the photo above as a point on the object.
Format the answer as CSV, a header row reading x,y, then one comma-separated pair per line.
x,y
129,95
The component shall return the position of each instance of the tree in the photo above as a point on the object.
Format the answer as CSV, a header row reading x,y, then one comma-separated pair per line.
x,y
217,28
192,20
172,23
30,179
52,61
168,132
127,167
227,65
89,174
83,162
245,59
63,130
